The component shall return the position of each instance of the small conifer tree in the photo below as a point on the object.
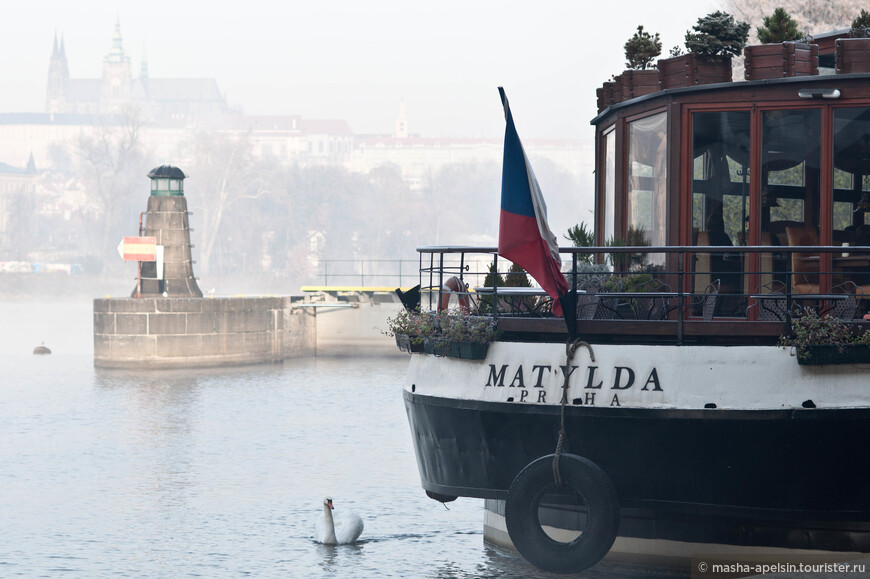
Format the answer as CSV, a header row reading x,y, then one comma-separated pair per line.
x,y
641,49
778,27
517,277
861,26
580,236
717,36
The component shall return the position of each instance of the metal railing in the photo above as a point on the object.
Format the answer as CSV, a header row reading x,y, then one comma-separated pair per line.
x,y
823,280
368,272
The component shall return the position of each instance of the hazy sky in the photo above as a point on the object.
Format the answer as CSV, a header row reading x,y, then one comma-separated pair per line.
x,y
356,59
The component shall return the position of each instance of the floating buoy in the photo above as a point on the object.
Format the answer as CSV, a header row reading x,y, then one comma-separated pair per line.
x,y
41,350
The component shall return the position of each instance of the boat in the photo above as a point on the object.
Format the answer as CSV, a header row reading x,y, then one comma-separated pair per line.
x,y
680,425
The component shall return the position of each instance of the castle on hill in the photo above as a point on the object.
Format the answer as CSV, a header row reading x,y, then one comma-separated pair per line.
x,y
161,100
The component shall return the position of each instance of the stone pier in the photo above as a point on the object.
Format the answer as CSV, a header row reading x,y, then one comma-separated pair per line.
x,y
196,332
167,323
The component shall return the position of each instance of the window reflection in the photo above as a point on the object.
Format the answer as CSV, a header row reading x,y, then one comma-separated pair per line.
x,y
720,200
851,199
646,201
609,184
790,192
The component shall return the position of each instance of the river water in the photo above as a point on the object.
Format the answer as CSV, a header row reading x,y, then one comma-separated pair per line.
x,y
213,473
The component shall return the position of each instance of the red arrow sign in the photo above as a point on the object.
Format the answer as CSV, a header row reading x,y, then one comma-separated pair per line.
x,y
138,248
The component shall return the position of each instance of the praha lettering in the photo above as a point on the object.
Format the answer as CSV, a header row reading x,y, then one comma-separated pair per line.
x,y
619,378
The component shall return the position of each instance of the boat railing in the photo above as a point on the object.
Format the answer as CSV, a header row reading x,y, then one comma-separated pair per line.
x,y
677,289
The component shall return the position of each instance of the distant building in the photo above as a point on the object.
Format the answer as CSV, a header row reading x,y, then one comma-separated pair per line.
x,y
17,193
189,100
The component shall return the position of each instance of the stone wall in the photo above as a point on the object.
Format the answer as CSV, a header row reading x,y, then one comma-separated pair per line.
x,y
198,332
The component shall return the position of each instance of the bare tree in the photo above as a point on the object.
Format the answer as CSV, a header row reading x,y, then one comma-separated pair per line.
x,y
112,157
223,174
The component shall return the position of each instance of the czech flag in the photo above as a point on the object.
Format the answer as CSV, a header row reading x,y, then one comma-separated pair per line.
x,y
524,237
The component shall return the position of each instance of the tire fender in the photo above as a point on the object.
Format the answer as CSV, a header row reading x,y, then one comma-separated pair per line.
x,y
586,479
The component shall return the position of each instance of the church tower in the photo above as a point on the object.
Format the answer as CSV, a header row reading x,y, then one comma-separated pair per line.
x,y
402,122
117,81
58,79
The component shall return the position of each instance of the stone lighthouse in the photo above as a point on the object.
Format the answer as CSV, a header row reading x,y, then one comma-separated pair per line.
x,y
166,220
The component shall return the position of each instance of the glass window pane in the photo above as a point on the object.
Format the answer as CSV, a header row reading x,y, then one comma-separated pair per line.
x,y
720,201
646,199
609,217
791,191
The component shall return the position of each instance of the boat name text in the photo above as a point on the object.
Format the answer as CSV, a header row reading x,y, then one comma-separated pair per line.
x,y
620,378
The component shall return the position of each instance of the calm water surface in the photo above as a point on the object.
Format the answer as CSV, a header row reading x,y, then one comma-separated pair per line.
x,y
212,473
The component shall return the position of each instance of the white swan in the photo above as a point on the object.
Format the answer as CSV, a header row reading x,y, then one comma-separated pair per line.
x,y
344,528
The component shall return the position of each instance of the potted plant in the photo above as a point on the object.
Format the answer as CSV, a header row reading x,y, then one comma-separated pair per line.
x,y
783,51
852,55
641,76
461,336
410,328
716,38
826,340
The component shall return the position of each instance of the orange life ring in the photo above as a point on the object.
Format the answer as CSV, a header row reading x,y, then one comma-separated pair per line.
x,y
457,286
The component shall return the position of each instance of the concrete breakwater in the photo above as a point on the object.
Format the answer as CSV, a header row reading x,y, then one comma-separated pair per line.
x,y
196,332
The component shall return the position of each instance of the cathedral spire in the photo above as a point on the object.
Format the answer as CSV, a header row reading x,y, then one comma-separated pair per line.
x,y
117,53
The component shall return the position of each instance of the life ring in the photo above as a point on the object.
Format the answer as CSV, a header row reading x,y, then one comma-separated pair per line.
x,y
457,286
585,479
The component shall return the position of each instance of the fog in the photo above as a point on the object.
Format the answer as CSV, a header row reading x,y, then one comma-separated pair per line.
x,y
267,220
356,60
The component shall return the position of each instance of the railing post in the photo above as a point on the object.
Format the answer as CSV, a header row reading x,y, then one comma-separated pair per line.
x,y
440,279
788,277
681,299
495,289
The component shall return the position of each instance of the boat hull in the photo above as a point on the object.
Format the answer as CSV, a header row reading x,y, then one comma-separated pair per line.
x,y
789,477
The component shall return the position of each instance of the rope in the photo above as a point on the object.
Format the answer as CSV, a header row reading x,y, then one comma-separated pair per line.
x,y
570,349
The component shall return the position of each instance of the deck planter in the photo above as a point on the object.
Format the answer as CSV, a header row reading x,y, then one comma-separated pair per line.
x,y
691,70
454,349
780,60
637,83
607,95
831,354
406,344
852,55
473,350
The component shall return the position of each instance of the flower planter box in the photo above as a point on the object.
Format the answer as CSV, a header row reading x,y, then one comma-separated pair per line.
x,y
406,344
852,55
691,70
831,354
780,60
607,95
473,350
637,83
453,349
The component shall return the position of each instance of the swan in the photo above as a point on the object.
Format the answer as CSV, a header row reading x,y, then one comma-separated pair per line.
x,y
345,528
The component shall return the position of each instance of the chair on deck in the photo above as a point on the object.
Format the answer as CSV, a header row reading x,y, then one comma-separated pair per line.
x,y
845,308
652,307
806,275
708,300
772,307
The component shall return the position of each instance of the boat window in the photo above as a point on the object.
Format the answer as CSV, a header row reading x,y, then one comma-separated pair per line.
x,y
851,172
790,189
720,198
646,201
609,217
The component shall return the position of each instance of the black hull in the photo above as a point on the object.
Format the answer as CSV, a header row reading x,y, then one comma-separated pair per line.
x,y
796,478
